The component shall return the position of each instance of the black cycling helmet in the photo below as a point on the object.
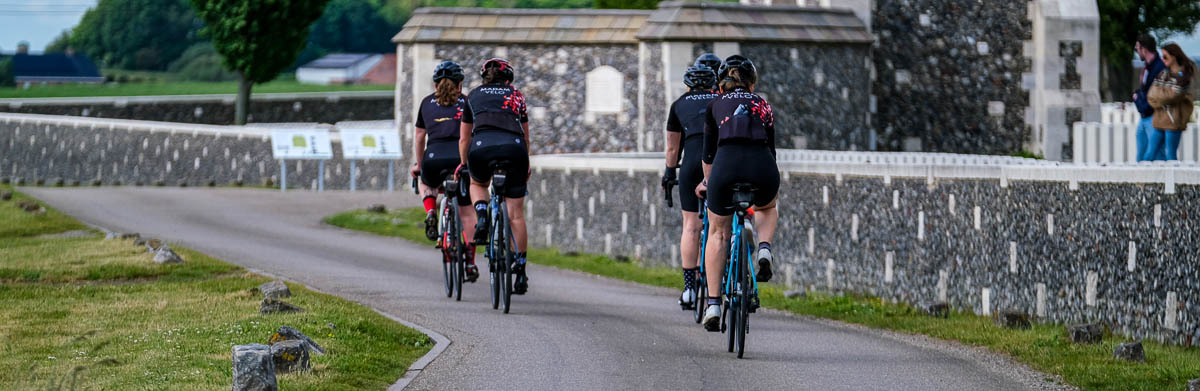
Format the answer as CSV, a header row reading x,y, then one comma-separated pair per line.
x,y
448,70
710,60
504,70
700,76
746,70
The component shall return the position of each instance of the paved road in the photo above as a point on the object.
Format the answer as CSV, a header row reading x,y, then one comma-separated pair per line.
x,y
572,331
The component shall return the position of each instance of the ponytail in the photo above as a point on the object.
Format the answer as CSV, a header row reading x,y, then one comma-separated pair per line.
x,y
447,92
733,80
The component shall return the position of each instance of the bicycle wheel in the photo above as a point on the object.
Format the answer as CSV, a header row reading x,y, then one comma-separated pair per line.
x,y
743,305
495,267
454,235
504,232
730,319
701,297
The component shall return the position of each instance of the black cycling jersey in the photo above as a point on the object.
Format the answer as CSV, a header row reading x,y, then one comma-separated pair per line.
x,y
440,122
495,106
738,117
688,112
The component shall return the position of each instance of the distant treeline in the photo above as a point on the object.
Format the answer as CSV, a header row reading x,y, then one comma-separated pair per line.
x,y
165,35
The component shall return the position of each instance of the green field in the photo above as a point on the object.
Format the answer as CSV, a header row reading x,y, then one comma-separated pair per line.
x,y
1045,347
90,313
174,88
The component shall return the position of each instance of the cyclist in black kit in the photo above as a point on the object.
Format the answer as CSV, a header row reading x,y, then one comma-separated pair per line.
x,y
685,128
435,147
739,147
494,128
709,60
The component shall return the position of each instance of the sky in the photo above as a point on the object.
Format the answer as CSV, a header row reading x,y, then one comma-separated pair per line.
x,y
40,21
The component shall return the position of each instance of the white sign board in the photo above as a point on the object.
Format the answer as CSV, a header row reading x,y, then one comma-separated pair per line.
x,y
368,143
301,144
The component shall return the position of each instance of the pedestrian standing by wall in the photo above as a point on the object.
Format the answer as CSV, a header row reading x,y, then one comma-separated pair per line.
x,y
1146,48
1172,103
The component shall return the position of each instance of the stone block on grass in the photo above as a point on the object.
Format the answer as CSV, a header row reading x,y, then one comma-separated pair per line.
x,y
6,196
152,245
287,333
275,290
377,208
273,306
165,255
794,294
1193,385
290,356
1130,351
253,368
1013,320
1086,333
938,310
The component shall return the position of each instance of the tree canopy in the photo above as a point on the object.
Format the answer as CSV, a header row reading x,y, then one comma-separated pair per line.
x,y
133,34
257,39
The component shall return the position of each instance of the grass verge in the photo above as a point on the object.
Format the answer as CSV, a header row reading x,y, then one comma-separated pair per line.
x,y
90,313
1045,347
174,88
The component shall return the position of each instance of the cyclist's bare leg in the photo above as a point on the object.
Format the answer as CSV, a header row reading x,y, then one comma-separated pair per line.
x,y
479,191
689,240
466,214
516,217
426,191
766,218
714,251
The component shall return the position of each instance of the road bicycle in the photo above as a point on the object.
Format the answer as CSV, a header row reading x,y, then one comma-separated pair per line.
x,y
450,239
501,247
739,285
700,287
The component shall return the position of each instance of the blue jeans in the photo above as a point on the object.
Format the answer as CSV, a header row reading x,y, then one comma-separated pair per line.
x,y
1144,130
1164,143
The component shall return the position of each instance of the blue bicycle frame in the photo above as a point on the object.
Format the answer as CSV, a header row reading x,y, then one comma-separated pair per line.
x,y
736,248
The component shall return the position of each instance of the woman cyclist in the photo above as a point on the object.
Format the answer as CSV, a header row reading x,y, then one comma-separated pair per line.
x,y
685,128
739,147
436,150
495,128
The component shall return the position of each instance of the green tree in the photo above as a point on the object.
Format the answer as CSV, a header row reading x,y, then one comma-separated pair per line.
x,y
1120,23
257,38
135,34
6,76
60,44
356,26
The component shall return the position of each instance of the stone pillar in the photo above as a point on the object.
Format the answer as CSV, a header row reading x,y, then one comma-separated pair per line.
x,y
676,58
423,62
726,49
1064,80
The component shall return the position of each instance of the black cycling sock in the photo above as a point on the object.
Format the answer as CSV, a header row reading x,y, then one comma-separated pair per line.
x,y
762,245
481,210
714,301
689,278
521,258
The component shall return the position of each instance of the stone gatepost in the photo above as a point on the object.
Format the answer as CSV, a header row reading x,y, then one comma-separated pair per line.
x,y
1064,80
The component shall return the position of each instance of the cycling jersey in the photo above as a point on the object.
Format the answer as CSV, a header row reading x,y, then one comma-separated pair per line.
x,y
739,142
738,117
496,106
687,113
440,122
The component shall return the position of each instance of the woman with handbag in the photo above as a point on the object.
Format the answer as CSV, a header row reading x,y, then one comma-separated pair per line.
x,y
1171,101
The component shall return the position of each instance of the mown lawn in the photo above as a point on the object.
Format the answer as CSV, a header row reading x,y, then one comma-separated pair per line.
x,y
174,88
1044,347
90,313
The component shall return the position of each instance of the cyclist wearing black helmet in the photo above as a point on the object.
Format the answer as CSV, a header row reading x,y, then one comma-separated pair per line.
x,y
709,60
739,147
685,131
495,128
435,147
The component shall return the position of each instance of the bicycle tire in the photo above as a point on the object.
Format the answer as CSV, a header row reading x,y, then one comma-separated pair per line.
x,y
701,297
506,237
730,321
743,307
455,236
494,266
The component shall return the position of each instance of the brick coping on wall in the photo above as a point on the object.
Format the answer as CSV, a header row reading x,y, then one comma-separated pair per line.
x,y
252,130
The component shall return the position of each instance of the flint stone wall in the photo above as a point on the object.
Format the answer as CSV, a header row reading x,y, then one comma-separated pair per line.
x,y
175,156
317,108
941,65
1059,254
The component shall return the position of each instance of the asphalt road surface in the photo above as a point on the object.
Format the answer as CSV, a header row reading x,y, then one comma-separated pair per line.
x,y
571,332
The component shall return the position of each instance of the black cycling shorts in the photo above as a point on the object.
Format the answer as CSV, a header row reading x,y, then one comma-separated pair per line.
x,y
440,161
690,173
494,146
741,163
